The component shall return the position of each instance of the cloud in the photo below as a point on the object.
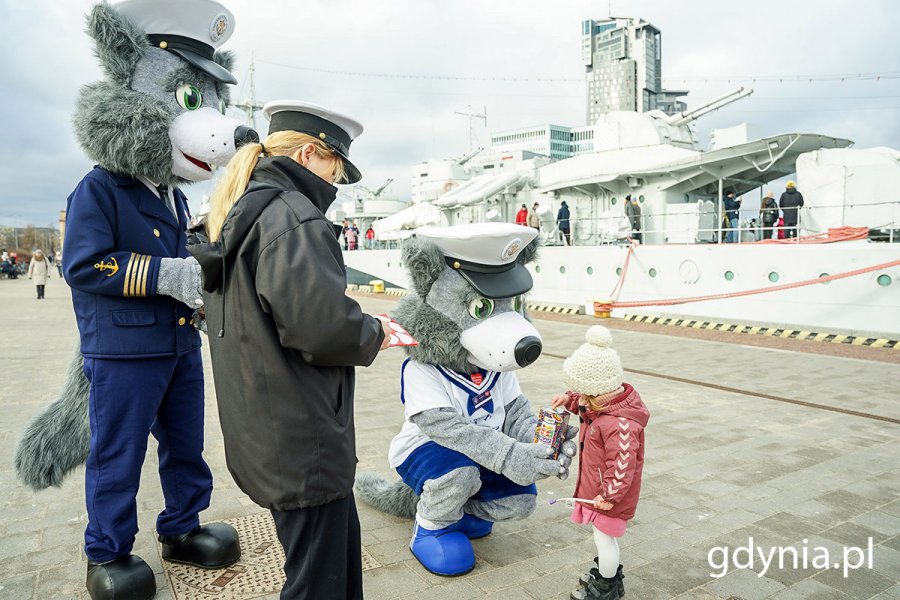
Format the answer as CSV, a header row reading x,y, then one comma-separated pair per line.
x,y
410,120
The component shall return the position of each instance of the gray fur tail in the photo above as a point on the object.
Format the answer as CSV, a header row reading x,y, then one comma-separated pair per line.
x,y
57,440
396,498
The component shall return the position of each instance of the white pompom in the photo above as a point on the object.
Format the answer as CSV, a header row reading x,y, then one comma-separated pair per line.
x,y
599,336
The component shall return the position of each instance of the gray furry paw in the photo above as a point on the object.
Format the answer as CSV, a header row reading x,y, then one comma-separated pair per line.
x,y
199,322
180,279
526,463
567,451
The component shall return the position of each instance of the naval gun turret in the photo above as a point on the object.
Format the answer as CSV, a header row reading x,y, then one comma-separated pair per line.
x,y
626,129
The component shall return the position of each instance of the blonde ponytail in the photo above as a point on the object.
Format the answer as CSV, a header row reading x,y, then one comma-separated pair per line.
x,y
234,182
231,188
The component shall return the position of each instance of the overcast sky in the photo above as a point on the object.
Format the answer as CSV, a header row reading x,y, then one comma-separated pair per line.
x,y
705,42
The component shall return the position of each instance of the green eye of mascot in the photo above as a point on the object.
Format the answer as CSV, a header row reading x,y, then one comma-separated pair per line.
x,y
156,122
465,454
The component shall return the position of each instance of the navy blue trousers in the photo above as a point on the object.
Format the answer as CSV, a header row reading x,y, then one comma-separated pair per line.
x,y
129,400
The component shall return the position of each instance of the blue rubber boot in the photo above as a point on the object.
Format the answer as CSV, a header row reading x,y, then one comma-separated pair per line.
x,y
473,527
444,551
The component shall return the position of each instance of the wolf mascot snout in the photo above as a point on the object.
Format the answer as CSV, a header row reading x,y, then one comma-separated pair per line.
x,y
156,122
465,453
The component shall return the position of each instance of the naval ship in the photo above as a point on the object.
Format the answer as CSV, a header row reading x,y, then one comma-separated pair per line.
x,y
840,275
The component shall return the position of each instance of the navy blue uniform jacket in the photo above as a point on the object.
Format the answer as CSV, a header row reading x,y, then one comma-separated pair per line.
x,y
117,232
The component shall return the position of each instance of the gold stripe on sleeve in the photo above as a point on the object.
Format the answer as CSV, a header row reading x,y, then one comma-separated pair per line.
x,y
126,291
145,271
135,276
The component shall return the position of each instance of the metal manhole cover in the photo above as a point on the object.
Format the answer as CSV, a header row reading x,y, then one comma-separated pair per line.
x,y
258,573
368,561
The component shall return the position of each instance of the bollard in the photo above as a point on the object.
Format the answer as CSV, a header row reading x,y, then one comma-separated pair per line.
x,y
603,308
377,286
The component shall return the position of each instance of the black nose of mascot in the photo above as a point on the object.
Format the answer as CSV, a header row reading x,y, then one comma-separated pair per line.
x,y
528,350
245,135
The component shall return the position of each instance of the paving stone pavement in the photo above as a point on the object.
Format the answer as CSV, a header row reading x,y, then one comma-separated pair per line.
x,y
721,467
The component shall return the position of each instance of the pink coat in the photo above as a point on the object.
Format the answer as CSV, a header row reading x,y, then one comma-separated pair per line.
x,y
611,451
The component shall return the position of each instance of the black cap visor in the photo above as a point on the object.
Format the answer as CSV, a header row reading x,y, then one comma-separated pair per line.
x,y
210,67
195,52
503,281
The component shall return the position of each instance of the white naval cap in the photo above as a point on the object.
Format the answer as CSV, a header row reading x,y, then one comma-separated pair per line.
x,y
485,255
192,29
333,128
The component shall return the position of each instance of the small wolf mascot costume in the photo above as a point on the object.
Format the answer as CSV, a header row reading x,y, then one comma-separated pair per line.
x,y
155,123
466,447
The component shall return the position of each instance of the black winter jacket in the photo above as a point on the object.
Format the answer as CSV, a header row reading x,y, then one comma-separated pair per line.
x,y
790,202
284,338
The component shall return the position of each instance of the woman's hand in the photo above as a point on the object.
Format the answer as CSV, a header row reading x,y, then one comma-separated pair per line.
x,y
559,400
387,336
600,503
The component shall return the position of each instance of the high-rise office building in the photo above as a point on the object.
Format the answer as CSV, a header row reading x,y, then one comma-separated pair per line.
x,y
623,59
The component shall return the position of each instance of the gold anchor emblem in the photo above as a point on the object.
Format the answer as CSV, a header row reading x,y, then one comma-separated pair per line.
x,y
112,266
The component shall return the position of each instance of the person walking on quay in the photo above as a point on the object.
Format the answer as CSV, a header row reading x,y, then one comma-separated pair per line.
x,y
633,212
791,202
768,213
522,216
733,215
286,340
534,219
39,272
562,221
611,460
370,238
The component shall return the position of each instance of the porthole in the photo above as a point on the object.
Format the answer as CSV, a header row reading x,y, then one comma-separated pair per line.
x,y
884,280
590,270
824,275
774,277
729,275
641,198
652,272
614,201
389,265
537,268
562,270
619,271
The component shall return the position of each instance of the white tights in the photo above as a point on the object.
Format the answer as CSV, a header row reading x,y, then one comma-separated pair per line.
x,y
607,553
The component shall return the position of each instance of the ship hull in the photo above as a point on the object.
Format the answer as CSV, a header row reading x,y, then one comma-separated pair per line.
x,y
868,303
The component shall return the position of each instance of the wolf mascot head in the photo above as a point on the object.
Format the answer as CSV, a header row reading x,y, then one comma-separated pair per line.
x,y
458,326
159,115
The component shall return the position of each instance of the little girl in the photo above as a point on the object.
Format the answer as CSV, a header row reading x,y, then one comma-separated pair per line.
x,y
611,461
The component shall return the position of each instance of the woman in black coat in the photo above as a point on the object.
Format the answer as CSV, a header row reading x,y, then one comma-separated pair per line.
x,y
285,338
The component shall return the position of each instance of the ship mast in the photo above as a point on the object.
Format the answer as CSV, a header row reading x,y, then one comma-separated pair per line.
x,y
472,117
250,105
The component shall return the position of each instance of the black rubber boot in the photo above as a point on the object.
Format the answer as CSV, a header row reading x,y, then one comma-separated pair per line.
x,y
211,546
620,576
125,578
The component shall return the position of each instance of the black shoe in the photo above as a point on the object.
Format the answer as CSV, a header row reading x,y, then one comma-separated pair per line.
x,y
211,546
602,588
125,578
594,574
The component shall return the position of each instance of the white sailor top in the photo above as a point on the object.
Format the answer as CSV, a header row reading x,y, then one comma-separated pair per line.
x,y
479,398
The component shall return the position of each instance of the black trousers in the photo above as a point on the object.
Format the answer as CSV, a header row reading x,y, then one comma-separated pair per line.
x,y
790,230
767,231
40,291
323,552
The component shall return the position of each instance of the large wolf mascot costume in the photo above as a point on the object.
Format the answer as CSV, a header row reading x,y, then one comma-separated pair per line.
x,y
156,122
465,453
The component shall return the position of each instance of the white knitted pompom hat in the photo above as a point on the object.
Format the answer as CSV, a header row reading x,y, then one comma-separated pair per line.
x,y
594,368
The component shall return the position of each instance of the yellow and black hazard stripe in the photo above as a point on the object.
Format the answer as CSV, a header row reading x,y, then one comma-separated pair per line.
x,y
793,334
136,276
555,308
